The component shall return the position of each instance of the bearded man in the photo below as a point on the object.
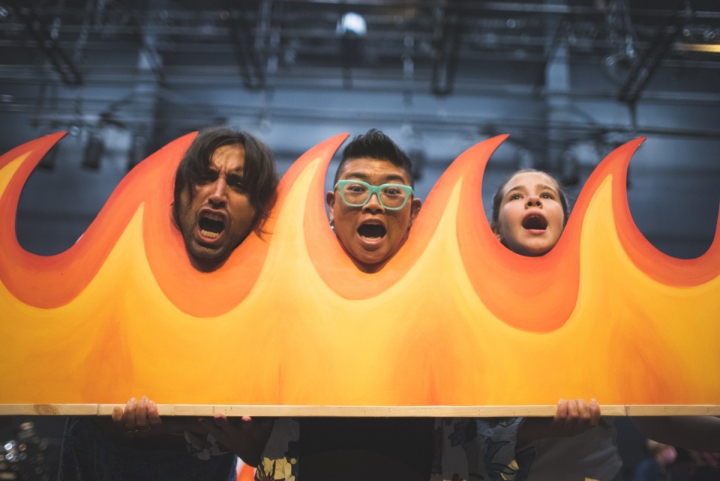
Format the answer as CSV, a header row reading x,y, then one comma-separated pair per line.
x,y
224,187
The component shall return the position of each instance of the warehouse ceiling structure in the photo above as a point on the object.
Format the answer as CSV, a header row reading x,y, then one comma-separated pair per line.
x,y
569,80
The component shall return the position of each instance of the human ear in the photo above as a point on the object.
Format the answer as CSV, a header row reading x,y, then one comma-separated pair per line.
x,y
497,233
414,210
330,199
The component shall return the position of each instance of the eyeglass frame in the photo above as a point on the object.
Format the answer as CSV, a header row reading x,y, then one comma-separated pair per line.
x,y
373,190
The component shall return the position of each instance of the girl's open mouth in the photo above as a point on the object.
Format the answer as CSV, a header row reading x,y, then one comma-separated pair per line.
x,y
534,222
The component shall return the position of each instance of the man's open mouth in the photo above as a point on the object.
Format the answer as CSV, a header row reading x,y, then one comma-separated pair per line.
x,y
211,225
372,231
534,222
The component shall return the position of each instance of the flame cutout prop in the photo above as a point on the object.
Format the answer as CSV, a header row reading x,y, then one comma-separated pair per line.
x,y
454,319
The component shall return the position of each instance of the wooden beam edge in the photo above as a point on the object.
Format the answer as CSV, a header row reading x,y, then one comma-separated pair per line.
x,y
357,411
49,409
673,410
163,409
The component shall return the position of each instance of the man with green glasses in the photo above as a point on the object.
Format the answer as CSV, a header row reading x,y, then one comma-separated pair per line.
x,y
372,206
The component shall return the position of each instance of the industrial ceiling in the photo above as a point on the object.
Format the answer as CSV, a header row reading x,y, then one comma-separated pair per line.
x,y
569,80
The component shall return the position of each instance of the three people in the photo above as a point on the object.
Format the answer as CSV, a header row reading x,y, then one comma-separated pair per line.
x,y
223,190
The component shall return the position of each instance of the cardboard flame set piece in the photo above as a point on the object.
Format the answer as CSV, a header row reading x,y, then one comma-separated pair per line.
x,y
454,320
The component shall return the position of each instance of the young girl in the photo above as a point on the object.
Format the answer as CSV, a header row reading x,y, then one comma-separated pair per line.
x,y
529,213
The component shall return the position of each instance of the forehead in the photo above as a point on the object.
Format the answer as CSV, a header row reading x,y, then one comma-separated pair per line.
x,y
373,171
531,180
228,157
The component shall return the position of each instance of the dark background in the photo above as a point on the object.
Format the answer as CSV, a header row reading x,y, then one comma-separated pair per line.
x,y
569,80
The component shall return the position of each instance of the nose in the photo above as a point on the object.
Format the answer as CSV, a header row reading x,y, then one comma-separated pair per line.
x,y
373,205
218,194
534,201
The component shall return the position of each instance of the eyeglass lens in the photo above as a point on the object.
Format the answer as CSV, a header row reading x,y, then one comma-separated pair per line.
x,y
390,195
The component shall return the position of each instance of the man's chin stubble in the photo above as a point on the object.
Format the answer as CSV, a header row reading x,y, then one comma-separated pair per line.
x,y
208,259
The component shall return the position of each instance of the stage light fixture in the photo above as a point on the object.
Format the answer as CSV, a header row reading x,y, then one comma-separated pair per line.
x,y
352,22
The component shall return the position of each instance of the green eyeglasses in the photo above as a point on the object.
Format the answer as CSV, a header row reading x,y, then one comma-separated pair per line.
x,y
356,193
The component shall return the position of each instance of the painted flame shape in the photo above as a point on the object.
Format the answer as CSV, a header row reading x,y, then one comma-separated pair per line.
x,y
453,319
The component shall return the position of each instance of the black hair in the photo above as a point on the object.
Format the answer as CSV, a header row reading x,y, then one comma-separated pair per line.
x,y
497,198
259,175
375,145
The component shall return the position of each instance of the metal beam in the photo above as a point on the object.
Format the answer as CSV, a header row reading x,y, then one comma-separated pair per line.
x,y
248,58
643,70
448,37
63,65
188,114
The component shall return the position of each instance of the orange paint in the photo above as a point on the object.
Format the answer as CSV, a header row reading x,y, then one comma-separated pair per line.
x,y
247,473
453,319
529,293
661,267
55,280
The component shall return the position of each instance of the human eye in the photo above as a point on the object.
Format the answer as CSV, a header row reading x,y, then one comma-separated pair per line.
x,y
391,190
355,188
515,196
236,183
547,195
207,176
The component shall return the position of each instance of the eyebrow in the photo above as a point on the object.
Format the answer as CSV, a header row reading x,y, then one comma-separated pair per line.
x,y
361,176
549,187
517,187
542,186
240,171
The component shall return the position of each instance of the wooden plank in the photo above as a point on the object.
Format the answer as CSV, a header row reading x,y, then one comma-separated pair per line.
x,y
194,410
673,410
356,411
613,410
403,411
49,409
163,409
335,411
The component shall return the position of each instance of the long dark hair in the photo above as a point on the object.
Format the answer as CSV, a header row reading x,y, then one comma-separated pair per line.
x,y
260,177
